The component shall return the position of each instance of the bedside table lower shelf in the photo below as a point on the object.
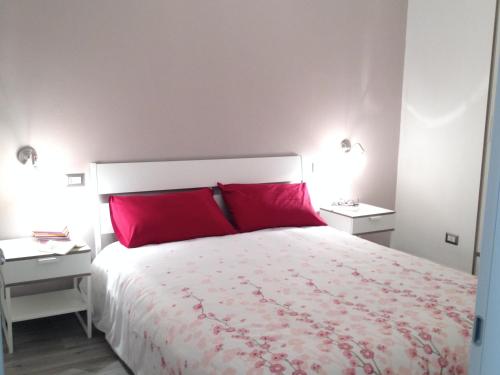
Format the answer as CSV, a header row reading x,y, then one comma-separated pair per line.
x,y
47,304
42,305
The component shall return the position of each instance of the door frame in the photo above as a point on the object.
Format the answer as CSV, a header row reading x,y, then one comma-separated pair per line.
x,y
484,358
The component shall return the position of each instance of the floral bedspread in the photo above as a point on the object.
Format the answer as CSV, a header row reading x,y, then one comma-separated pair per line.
x,y
286,301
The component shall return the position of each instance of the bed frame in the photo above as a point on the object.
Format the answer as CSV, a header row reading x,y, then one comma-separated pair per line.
x,y
155,176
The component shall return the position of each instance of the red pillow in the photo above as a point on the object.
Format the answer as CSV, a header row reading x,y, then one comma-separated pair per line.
x,y
259,206
148,219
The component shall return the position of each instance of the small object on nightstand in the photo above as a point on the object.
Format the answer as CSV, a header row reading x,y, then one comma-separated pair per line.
x,y
51,235
347,202
360,219
24,263
59,247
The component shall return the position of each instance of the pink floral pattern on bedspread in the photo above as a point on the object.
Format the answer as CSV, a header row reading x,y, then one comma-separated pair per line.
x,y
287,301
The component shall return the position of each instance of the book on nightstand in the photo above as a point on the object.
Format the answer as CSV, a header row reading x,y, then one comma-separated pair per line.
x,y
51,235
55,242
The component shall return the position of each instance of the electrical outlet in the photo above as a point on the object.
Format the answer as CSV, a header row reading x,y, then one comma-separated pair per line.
x,y
76,179
451,238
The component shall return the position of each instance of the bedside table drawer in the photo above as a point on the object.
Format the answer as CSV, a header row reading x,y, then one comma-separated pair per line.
x,y
49,267
373,223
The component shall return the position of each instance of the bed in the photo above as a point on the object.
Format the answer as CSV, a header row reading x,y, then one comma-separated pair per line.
x,y
279,301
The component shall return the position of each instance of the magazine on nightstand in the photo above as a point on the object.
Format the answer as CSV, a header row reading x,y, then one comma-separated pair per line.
x,y
59,247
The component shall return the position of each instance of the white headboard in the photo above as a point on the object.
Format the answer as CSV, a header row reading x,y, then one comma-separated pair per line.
x,y
142,177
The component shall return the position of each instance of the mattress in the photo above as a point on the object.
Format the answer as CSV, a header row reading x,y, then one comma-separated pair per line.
x,y
285,301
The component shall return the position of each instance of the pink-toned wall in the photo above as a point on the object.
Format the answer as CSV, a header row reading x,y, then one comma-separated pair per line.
x,y
116,80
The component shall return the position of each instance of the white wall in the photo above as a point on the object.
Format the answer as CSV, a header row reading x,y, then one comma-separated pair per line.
x,y
445,89
118,80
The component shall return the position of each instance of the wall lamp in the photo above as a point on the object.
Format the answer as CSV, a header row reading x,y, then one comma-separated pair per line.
x,y
26,153
347,147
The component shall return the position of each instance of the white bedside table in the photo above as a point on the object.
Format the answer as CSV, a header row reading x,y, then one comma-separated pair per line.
x,y
360,219
23,263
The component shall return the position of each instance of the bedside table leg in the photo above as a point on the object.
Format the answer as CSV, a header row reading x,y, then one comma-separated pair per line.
x,y
8,320
89,307
87,296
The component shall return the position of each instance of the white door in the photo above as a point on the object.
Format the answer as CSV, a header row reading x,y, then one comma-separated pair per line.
x,y
485,349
